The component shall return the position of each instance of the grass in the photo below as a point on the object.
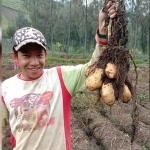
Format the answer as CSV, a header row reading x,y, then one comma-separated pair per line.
x,y
67,61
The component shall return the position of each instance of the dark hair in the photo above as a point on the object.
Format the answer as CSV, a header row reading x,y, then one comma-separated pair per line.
x,y
15,52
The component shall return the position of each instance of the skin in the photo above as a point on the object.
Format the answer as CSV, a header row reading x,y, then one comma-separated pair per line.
x,y
111,8
31,58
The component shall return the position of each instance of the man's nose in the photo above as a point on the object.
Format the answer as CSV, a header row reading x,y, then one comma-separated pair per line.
x,y
34,61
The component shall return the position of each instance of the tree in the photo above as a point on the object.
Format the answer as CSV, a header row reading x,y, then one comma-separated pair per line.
x,y
138,13
11,30
73,22
21,21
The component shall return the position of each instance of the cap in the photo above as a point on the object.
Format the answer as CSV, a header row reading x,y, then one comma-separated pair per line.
x,y
27,35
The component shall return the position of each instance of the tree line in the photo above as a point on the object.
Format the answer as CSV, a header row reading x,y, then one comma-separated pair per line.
x,y
73,23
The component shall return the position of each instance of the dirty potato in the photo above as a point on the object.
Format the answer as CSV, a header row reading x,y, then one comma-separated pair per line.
x,y
111,70
108,94
94,80
126,94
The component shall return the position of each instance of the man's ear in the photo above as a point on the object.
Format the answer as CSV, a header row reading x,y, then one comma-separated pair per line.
x,y
13,55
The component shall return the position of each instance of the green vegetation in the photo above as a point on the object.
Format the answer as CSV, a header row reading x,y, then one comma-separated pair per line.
x,y
140,60
4,22
57,46
21,19
142,96
144,147
6,46
67,61
52,19
61,57
14,4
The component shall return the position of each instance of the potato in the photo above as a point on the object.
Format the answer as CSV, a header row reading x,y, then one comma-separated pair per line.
x,y
89,70
126,94
111,70
94,80
108,94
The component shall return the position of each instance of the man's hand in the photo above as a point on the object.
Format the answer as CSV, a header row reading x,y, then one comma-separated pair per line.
x,y
111,9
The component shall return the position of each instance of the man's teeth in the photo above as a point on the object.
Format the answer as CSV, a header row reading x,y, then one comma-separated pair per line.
x,y
34,69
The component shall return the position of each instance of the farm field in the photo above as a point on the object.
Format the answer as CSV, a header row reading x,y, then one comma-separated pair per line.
x,y
92,128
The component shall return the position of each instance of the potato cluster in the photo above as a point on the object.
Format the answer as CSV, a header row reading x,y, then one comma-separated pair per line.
x,y
95,79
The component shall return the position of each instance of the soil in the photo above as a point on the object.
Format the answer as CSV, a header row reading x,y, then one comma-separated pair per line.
x,y
97,127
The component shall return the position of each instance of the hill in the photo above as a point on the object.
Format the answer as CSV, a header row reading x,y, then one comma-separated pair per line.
x,y
10,10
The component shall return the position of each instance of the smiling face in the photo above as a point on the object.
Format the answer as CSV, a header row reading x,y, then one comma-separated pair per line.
x,y
31,58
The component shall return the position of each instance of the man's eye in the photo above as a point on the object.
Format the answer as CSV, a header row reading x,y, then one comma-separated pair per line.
x,y
25,55
40,55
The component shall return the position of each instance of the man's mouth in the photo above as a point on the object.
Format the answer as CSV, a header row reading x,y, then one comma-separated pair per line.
x,y
34,69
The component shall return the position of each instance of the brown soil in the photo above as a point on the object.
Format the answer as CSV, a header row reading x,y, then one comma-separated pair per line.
x,y
93,128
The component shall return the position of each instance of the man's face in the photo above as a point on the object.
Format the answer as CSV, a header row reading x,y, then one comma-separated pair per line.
x,y
31,58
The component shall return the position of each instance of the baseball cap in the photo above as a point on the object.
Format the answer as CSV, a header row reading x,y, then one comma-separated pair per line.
x,y
27,35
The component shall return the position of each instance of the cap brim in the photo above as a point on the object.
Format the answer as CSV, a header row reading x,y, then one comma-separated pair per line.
x,y
29,41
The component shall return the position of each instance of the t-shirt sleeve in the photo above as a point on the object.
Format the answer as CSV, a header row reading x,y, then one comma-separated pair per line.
x,y
74,76
97,52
